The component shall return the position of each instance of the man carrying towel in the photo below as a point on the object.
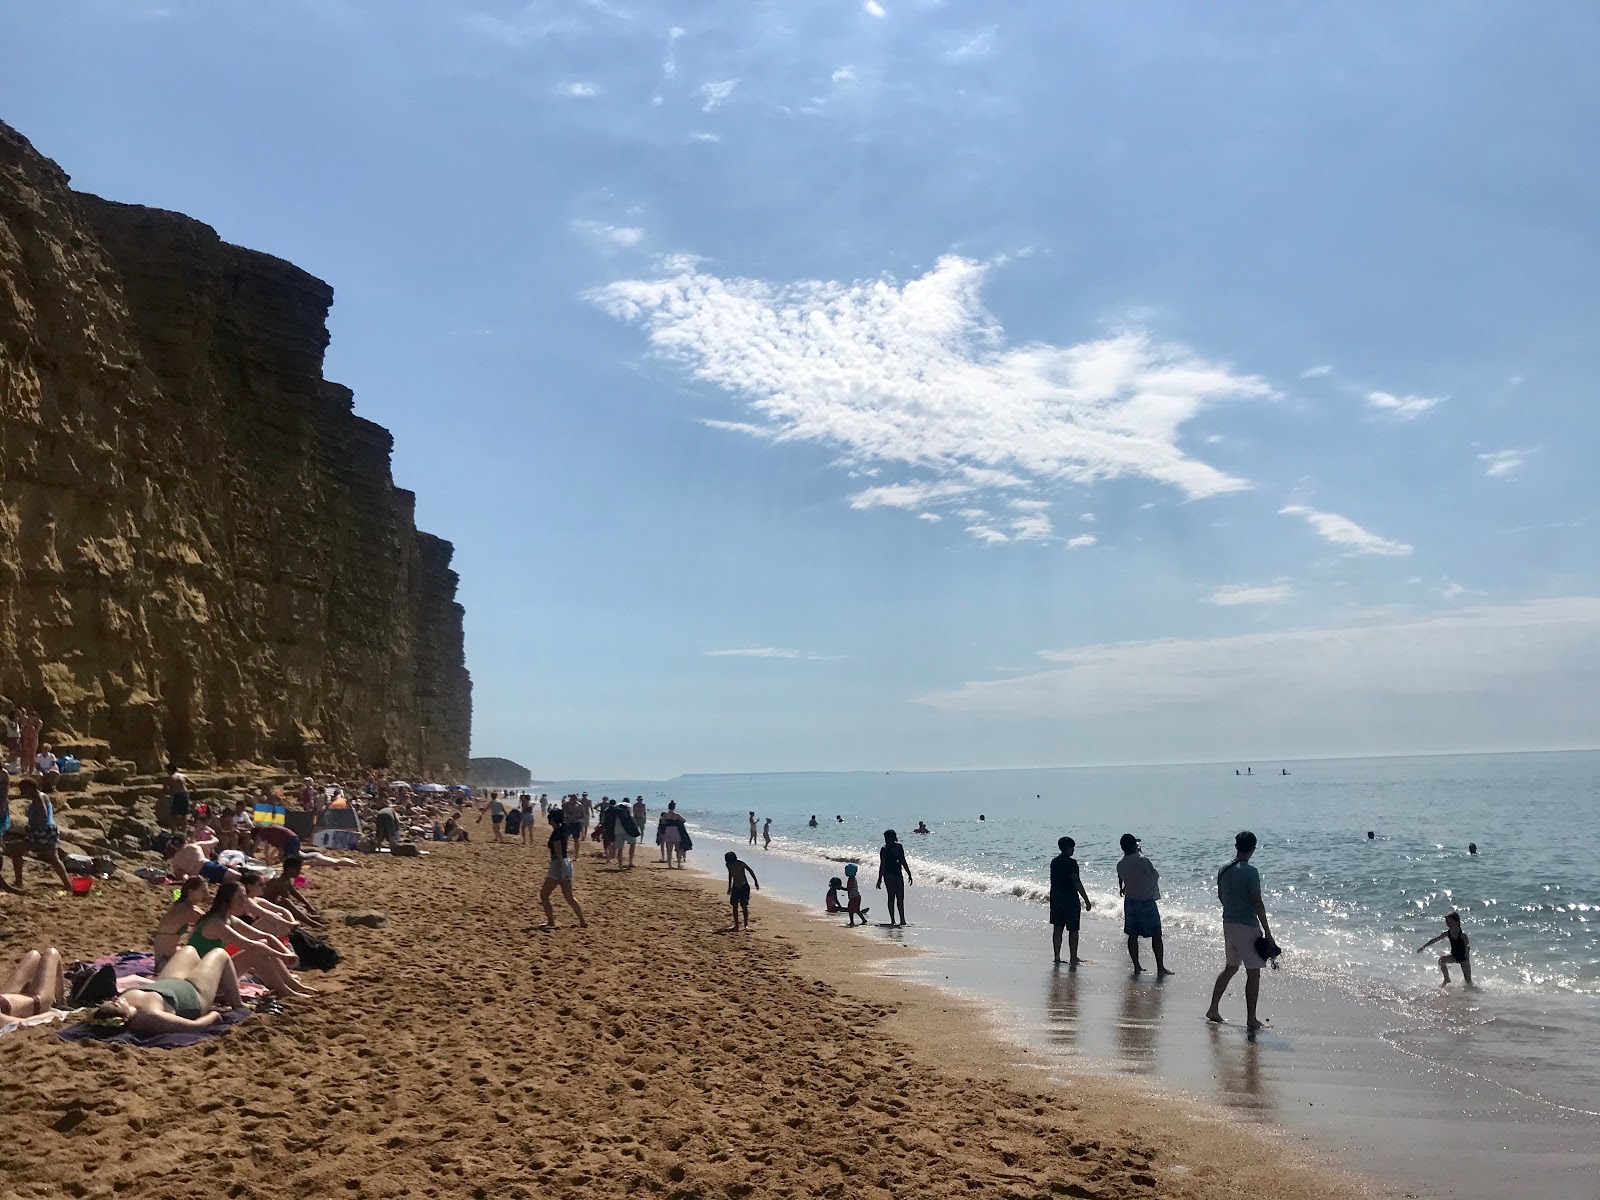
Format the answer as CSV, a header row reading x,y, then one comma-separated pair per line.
x,y
1244,919
1140,885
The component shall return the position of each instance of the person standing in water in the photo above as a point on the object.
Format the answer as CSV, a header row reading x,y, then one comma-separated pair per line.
x,y
766,835
1140,885
896,871
752,827
1460,950
1066,891
1244,919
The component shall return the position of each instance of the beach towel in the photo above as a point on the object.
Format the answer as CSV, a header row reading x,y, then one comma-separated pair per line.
x,y
85,1032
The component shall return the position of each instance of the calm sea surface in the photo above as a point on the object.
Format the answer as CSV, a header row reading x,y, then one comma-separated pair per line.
x,y
1349,911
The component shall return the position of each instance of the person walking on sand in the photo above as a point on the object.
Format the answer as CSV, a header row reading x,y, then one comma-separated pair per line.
x,y
766,835
1066,891
752,827
526,829
559,873
894,870
1140,885
1244,919
674,834
1460,950
740,877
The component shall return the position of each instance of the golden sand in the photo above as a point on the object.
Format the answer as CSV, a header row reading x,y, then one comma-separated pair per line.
x,y
460,1051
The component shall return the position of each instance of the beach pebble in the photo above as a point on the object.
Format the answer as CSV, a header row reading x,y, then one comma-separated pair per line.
x,y
373,920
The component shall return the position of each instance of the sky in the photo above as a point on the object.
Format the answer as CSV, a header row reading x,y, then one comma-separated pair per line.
x,y
934,384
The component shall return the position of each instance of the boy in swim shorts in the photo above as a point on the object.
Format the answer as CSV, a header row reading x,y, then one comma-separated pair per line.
x,y
740,877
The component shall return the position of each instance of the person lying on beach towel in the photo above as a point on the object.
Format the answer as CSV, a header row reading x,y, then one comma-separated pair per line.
x,y
190,993
187,858
34,986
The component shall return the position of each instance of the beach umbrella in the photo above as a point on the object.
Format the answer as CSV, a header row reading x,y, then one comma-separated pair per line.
x,y
401,783
430,787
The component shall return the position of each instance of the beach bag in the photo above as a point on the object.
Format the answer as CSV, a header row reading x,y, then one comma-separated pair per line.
x,y
514,821
314,953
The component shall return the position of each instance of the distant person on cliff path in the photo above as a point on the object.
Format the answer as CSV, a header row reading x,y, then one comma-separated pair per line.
x,y
32,727
1140,885
894,870
1066,893
178,790
1244,919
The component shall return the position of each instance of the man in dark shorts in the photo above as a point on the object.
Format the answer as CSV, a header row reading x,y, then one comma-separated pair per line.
x,y
1140,885
894,870
1066,893
177,798
281,838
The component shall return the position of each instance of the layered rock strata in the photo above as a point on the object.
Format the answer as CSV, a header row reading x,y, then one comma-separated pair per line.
x,y
203,555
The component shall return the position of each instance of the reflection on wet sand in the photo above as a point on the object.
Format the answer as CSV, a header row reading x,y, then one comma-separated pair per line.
x,y
1236,1060
1137,1023
1062,1013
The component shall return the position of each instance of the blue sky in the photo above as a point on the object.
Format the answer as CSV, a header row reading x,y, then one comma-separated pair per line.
x,y
930,384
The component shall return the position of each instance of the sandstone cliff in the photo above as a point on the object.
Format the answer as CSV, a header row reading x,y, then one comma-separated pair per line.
x,y
498,773
202,552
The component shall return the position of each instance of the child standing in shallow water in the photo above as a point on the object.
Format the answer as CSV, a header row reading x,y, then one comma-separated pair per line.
x,y
853,892
740,877
1460,950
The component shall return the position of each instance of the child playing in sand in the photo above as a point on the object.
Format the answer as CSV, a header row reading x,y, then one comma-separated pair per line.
x,y
853,892
740,877
1460,950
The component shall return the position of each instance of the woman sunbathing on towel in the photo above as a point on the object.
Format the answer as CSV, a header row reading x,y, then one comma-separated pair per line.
x,y
34,986
188,910
265,957
189,994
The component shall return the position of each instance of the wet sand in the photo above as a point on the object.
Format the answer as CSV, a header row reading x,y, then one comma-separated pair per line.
x,y
1332,1073
460,1051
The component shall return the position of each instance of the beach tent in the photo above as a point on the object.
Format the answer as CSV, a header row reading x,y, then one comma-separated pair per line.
x,y
339,828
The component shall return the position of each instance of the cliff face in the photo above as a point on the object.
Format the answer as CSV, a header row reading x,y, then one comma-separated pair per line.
x,y
202,552
498,773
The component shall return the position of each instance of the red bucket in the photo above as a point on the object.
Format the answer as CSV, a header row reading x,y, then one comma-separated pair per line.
x,y
82,885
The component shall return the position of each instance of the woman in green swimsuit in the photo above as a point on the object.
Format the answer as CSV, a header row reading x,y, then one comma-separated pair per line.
x,y
190,993
267,958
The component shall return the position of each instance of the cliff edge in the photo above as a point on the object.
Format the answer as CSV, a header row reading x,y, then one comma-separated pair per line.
x,y
203,555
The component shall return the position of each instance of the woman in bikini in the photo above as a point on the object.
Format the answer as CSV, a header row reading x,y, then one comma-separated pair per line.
x,y
264,957
559,874
35,985
190,993
188,910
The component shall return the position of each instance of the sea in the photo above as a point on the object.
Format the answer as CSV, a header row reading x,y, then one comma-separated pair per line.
x,y
1360,860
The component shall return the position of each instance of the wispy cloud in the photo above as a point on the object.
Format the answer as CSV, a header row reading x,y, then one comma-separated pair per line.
x,y
1503,464
773,652
920,375
577,89
1251,593
1082,540
1029,506
933,518
1316,372
1031,527
1407,408
1495,650
844,77
1342,531
979,44
987,533
620,236
875,9
716,93
705,137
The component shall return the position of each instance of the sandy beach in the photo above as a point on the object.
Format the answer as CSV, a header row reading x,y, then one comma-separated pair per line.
x,y
460,1051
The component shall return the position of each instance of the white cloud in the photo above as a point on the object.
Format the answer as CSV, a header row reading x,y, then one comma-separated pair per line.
x,y
973,514
1530,649
620,236
1342,531
669,61
1316,372
1503,464
874,8
1083,539
1032,527
773,652
577,90
1246,593
1087,518
935,518
845,77
1407,408
716,93
905,495
979,44
986,533
705,137
920,375
1030,506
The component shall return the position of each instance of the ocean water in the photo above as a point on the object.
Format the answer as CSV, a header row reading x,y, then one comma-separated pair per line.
x,y
1349,912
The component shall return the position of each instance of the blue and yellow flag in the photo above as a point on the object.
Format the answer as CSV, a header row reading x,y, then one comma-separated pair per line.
x,y
268,813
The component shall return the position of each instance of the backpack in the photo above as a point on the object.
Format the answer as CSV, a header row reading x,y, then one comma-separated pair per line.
x,y
314,953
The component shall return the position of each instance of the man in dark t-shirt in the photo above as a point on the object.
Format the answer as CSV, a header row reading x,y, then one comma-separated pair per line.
x,y
1066,891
